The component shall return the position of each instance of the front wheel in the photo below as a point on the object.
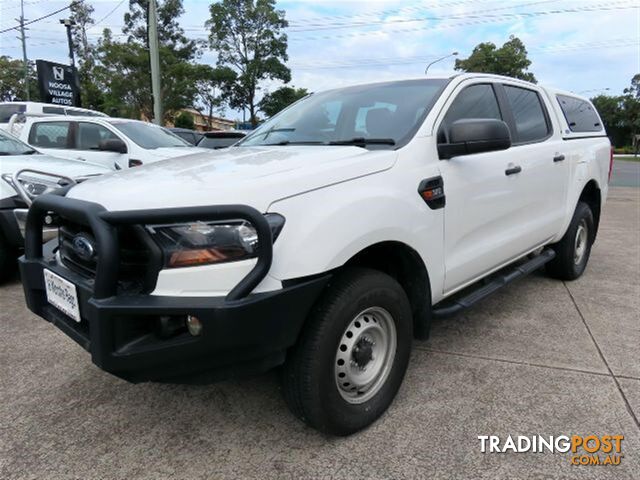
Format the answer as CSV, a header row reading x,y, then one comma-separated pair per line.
x,y
574,249
352,355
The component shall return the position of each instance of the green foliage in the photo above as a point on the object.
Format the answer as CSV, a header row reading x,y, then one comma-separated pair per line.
x,y
621,114
12,80
184,120
121,70
281,98
213,86
248,37
510,60
81,15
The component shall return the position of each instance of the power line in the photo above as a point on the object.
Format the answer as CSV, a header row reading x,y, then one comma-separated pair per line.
x,y
109,14
472,14
392,61
17,27
479,20
376,13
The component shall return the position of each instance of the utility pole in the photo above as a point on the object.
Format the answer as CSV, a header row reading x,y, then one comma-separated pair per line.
x,y
154,60
23,39
68,23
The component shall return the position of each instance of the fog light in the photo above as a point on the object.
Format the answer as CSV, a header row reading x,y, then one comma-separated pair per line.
x,y
194,325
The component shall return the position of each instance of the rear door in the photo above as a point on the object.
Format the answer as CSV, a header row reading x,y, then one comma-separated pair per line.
x,y
539,151
54,138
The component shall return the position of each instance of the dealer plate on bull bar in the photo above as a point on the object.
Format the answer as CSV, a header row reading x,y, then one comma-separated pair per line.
x,y
62,294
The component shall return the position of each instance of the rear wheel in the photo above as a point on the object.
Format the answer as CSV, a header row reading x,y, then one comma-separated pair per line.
x,y
574,249
352,355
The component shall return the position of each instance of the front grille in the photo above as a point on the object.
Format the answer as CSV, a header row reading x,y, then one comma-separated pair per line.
x,y
136,264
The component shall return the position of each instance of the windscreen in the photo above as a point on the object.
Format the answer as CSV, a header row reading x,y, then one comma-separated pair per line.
x,y
389,113
10,145
149,136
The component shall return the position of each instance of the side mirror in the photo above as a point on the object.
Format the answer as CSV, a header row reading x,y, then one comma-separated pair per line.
x,y
112,145
475,135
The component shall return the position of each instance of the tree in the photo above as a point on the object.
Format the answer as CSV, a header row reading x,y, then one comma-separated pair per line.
x,y
281,98
621,114
510,60
631,106
610,109
213,86
91,94
248,37
170,34
184,120
12,80
81,17
122,71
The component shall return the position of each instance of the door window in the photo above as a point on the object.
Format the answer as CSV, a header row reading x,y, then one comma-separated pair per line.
x,y
528,113
49,134
91,134
475,101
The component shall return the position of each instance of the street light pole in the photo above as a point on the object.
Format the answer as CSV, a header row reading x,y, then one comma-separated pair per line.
x,y
452,54
68,23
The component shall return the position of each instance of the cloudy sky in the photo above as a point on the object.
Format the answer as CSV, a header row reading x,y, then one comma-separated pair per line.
x,y
579,45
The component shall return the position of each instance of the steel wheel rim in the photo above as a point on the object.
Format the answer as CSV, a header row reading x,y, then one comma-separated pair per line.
x,y
580,247
365,355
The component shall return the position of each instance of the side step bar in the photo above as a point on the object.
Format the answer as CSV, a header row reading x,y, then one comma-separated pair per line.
x,y
482,292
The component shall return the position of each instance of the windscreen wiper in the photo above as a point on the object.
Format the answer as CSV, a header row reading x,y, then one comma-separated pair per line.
x,y
362,142
290,142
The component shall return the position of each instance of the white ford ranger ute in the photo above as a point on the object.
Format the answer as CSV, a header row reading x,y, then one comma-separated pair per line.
x,y
326,240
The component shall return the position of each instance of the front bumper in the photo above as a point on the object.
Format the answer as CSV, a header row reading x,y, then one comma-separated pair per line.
x,y
123,333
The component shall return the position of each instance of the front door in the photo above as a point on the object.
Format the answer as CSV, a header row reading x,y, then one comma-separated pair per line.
x,y
88,137
484,204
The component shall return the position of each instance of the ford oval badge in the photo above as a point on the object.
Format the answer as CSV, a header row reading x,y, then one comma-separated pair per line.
x,y
83,247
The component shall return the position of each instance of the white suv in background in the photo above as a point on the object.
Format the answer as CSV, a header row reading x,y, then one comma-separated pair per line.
x,y
116,143
9,110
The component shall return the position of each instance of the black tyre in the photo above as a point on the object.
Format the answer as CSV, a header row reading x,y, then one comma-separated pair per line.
x,y
352,355
7,259
573,250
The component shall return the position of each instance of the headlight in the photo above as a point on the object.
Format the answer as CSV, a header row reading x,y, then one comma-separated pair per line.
x,y
205,243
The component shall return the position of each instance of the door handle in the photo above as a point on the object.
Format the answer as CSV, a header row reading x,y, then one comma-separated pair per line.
x,y
81,158
513,170
558,158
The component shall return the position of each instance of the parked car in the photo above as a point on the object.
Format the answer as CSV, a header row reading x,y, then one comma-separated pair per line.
x,y
191,136
37,109
220,139
327,239
116,143
25,173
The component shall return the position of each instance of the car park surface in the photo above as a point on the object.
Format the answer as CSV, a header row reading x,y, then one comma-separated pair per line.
x,y
541,357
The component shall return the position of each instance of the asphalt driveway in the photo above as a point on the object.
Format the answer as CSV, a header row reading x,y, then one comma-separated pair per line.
x,y
626,173
541,357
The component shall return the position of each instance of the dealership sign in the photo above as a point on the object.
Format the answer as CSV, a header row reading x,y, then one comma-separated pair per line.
x,y
58,83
